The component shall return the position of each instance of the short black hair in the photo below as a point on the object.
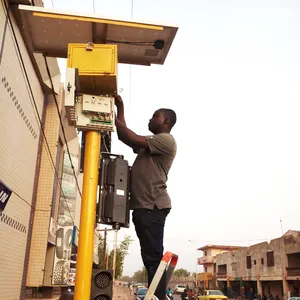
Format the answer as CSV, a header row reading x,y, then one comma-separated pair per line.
x,y
170,114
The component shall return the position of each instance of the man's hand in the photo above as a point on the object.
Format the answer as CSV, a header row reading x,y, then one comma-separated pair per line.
x,y
120,106
118,100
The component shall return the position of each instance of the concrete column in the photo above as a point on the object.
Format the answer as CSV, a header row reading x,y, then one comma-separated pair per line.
x,y
285,289
228,283
259,287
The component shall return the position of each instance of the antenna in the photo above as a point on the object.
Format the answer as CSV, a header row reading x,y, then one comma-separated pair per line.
x,y
281,225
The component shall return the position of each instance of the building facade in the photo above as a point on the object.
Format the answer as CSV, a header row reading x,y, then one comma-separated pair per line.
x,y
207,279
23,102
266,268
38,191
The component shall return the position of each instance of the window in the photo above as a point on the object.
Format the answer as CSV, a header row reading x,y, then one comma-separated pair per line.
x,y
215,268
234,266
270,259
262,261
205,253
248,260
205,268
254,262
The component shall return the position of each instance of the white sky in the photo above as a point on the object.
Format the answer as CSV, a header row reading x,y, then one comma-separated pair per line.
x,y
232,76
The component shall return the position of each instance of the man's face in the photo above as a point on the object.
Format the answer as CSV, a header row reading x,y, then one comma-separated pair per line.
x,y
156,121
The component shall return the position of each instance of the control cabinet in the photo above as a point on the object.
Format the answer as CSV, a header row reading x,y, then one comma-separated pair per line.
x,y
114,197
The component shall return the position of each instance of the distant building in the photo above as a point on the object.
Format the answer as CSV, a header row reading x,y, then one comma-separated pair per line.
x,y
207,279
265,268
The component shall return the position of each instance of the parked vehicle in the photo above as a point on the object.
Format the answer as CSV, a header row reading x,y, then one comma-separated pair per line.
x,y
179,289
212,295
141,293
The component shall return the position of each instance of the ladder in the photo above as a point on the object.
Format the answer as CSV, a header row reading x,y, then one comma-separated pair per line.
x,y
168,264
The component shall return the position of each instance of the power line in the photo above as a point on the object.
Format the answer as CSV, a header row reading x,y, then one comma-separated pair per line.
x,y
218,241
61,124
94,8
130,66
45,210
33,102
131,12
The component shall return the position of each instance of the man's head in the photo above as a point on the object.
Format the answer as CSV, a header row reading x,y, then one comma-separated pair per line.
x,y
162,121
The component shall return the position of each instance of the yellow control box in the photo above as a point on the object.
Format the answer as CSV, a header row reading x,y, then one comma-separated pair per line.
x,y
97,67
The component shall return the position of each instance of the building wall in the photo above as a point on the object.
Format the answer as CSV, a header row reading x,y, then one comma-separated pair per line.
x,y
214,252
236,262
292,243
19,142
272,287
42,252
46,181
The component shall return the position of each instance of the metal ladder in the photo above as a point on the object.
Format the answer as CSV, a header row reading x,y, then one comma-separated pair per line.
x,y
168,264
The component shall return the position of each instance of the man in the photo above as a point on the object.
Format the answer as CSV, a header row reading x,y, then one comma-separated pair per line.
x,y
184,295
150,201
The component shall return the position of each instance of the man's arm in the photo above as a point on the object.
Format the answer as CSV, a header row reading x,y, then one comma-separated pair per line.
x,y
130,138
120,107
121,117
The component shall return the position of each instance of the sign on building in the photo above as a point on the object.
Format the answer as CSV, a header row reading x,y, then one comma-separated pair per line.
x,y
65,223
52,232
5,194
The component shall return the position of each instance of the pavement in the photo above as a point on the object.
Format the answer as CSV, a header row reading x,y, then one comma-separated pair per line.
x,y
122,293
119,293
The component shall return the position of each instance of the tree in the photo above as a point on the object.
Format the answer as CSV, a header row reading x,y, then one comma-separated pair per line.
x,y
140,276
122,251
181,273
101,250
126,278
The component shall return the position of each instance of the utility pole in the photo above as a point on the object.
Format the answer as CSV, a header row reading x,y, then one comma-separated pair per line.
x,y
104,249
115,254
281,226
87,216
107,257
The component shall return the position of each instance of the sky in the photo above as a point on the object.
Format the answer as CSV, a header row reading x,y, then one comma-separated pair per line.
x,y
232,76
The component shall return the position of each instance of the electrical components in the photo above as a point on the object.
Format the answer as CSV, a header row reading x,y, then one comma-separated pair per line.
x,y
94,112
113,206
84,111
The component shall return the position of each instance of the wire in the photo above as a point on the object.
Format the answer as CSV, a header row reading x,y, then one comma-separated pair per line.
x,y
45,210
131,43
104,143
130,66
3,39
33,102
94,6
211,242
62,125
131,13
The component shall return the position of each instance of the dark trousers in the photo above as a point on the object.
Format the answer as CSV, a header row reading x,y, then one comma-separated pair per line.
x,y
149,227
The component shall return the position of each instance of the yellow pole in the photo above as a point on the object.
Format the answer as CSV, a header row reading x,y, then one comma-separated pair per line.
x,y
87,217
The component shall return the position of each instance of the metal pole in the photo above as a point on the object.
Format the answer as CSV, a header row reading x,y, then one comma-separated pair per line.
x,y
104,250
115,254
196,283
87,217
107,257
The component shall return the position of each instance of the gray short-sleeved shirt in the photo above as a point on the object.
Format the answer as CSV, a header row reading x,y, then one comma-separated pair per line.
x,y
149,173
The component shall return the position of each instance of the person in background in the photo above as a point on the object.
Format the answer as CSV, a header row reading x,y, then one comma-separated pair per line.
x,y
184,295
